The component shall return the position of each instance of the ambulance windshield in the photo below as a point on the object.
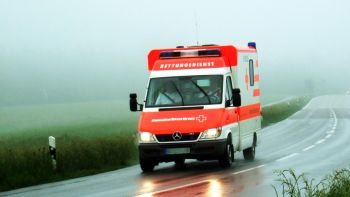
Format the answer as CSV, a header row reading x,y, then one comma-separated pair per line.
x,y
184,91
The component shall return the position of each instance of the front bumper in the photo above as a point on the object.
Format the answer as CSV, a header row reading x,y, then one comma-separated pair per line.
x,y
201,150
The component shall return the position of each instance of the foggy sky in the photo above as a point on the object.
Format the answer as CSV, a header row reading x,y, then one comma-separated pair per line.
x,y
64,51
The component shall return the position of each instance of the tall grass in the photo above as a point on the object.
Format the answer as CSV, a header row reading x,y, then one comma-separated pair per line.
x,y
26,161
335,185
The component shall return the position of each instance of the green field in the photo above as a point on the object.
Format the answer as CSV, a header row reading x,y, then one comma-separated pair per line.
x,y
91,137
273,98
19,119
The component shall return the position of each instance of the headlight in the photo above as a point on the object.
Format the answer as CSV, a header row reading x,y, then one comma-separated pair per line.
x,y
211,133
146,137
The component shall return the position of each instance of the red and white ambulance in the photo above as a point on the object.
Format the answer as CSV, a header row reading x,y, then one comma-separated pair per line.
x,y
202,102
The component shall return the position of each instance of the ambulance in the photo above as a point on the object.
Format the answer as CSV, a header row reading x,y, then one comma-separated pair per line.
x,y
201,102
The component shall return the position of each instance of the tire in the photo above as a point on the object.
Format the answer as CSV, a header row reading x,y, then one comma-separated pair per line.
x,y
227,159
180,164
249,153
146,165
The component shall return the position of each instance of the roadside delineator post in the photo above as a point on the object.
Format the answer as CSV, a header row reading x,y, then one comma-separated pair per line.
x,y
52,150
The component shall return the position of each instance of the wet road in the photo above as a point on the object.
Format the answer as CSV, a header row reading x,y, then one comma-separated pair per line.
x,y
315,140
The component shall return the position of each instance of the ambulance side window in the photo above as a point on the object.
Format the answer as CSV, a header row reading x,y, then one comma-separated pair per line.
x,y
228,94
251,72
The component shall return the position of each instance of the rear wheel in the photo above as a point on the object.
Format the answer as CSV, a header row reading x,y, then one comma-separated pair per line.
x,y
227,159
249,153
146,165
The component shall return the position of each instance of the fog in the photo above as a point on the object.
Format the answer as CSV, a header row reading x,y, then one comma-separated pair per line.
x,y
74,51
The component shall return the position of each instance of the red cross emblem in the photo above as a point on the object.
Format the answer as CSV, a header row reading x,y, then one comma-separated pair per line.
x,y
201,118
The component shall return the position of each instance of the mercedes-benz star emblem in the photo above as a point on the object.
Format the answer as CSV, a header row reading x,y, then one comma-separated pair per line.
x,y
177,135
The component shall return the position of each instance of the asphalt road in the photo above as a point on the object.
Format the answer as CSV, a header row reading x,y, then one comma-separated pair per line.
x,y
315,140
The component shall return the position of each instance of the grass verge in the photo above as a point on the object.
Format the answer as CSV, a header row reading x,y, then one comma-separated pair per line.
x,y
279,111
335,185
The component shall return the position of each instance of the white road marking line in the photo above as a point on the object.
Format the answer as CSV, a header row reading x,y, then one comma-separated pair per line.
x,y
330,132
249,169
334,125
287,157
320,141
328,136
195,183
308,148
335,118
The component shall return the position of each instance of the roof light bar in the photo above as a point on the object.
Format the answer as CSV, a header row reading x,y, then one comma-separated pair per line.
x,y
190,53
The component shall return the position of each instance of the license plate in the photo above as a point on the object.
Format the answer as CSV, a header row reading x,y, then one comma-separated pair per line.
x,y
174,151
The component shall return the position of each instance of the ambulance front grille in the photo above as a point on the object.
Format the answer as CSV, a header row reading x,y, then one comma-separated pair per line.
x,y
169,137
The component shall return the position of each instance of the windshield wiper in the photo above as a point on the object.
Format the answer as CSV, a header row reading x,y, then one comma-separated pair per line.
x,y
177,90
207,96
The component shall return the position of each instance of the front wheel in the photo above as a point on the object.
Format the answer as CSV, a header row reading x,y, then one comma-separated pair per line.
x,y
180,164
227,159
146,165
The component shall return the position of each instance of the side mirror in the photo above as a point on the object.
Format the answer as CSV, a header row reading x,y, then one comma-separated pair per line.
x,y
236,97
133,103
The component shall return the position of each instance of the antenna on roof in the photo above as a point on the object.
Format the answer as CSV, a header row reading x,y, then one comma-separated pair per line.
x,y
196,25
